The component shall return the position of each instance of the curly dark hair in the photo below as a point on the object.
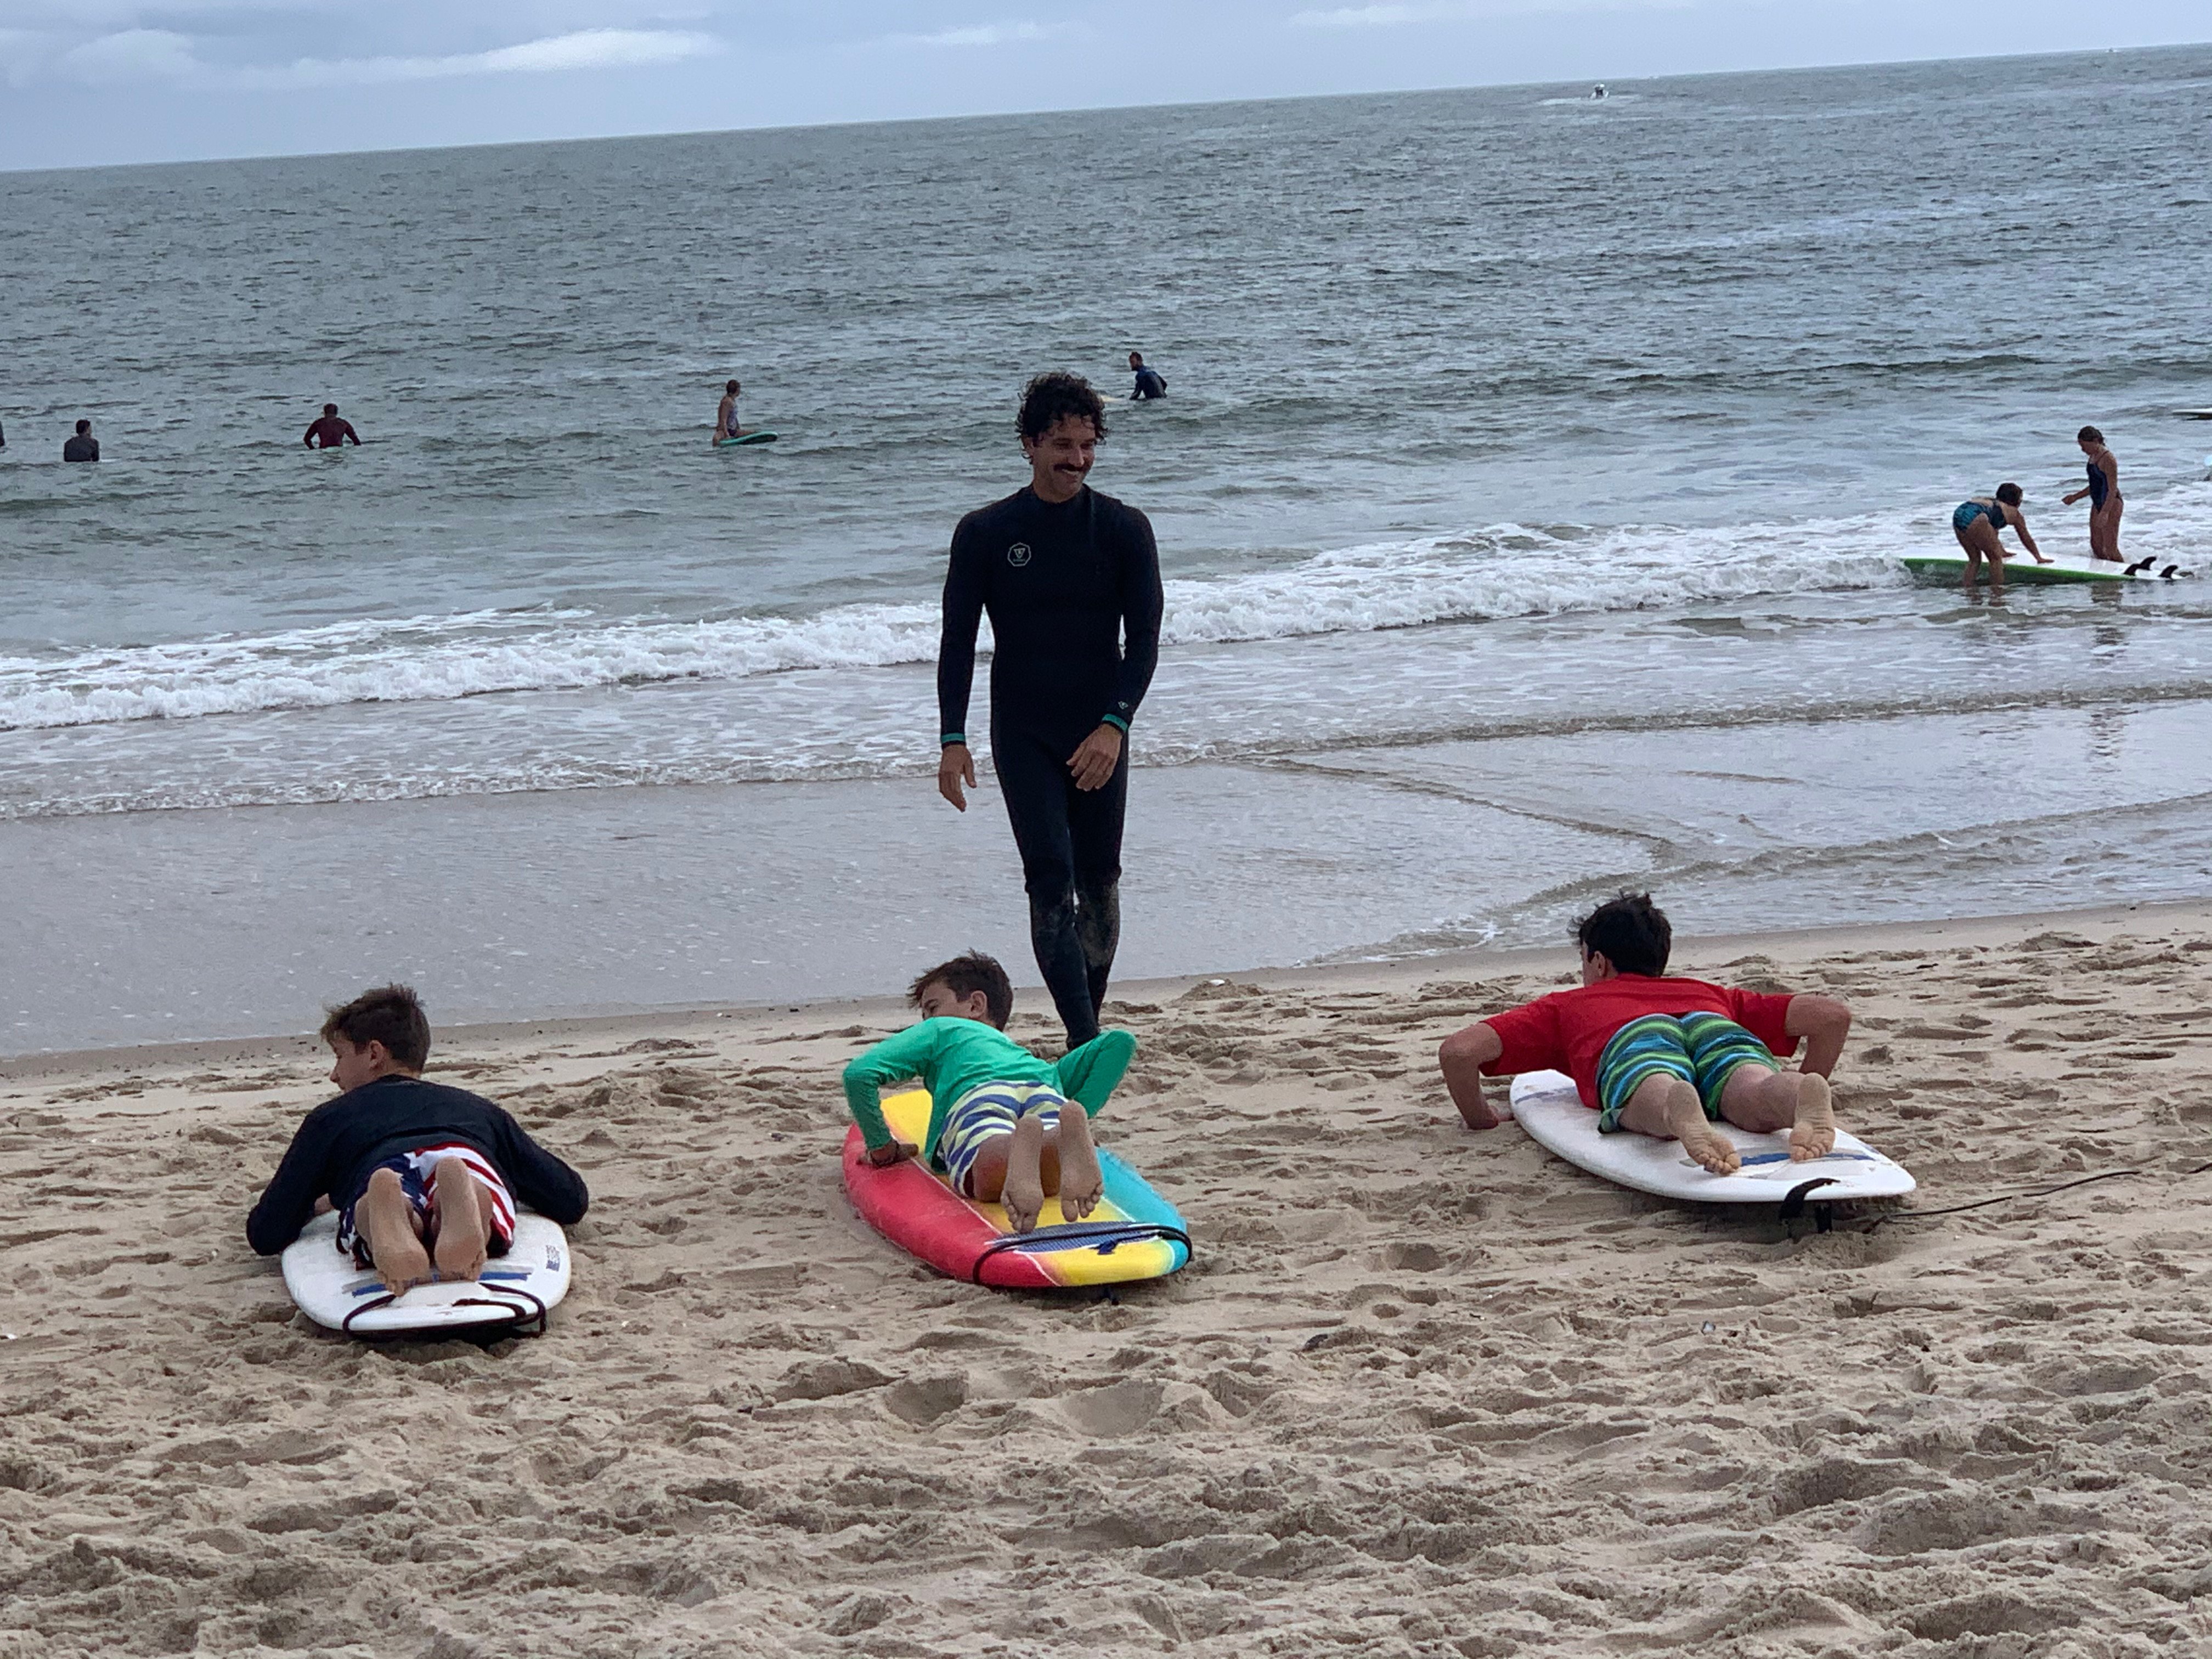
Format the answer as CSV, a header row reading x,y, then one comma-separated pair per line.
x,y
966,974
1630,933
390,1015
1052,396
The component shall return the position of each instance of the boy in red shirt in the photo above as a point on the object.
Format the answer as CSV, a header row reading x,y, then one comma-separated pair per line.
x,y
1663,1057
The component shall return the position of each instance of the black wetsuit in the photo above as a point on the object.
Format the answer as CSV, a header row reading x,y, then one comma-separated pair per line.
x,y
339,1143
1149,384
1073,593
82,448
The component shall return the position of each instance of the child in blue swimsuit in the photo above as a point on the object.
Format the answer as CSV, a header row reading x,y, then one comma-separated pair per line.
x,y
1976,524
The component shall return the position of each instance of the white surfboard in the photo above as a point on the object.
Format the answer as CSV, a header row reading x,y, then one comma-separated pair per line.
x,y
516,1289
1551,1111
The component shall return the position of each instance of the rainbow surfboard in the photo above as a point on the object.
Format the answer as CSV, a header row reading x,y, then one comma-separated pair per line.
x,y
1134,1234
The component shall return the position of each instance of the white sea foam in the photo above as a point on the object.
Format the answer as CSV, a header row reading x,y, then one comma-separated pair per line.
x,y
1506,570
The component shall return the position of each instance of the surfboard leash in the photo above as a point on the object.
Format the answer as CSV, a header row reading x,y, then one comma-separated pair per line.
x,y
2039,1192
526,1323
1103,1237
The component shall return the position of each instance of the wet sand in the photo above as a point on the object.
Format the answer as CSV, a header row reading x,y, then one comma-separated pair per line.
x,y
1421,1393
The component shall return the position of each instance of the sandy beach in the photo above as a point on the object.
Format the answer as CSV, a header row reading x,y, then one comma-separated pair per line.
x,y
1420,1392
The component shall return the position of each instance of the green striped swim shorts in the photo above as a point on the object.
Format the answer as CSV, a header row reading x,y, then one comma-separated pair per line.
x,y
1704,1050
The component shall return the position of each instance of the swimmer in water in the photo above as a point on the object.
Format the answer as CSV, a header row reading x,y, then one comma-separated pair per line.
x,y
726,416
330,432
1976,524
1151,383
2103,490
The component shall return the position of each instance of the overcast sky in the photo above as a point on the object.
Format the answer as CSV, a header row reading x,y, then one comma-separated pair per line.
x,y
101,81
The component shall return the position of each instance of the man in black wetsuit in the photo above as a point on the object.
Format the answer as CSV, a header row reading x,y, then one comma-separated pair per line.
x,y
83,446
1072,580
1151,383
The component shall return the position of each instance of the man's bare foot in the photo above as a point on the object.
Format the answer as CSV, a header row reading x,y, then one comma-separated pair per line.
x,y
386,1223
1024,1192
1814,1135
1081,1185
1707,1146
463,1224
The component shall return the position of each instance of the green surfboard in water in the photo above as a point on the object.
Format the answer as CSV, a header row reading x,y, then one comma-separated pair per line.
x,y
751,434
1952,567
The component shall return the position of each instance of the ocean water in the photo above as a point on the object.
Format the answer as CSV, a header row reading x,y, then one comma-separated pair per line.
x,y
1530,492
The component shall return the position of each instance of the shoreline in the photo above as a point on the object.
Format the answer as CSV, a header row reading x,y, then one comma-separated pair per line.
x,y
1695,956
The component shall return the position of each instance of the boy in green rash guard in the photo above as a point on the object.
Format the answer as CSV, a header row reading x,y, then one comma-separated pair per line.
x,y
998,1126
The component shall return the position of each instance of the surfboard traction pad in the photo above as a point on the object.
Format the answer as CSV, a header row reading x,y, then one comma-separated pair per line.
x,y
517,1289
1135,1234
1550,1109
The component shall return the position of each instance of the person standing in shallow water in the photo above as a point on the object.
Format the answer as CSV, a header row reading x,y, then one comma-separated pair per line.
x,y
1070,580
1976,524
2103,490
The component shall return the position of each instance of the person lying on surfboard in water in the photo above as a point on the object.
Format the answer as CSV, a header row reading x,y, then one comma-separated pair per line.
x,y
424,1178
1660,1056
999,1130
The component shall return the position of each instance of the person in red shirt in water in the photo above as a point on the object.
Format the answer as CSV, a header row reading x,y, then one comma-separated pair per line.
x,y
330,432
1660,1056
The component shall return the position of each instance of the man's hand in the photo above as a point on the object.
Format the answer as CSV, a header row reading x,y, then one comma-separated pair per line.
x,y
882,1157
1096,757
955,763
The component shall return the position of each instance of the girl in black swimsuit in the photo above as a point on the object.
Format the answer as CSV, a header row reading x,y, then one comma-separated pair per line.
x,y
2103,490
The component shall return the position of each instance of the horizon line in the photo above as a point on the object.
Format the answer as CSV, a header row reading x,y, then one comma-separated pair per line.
x,y
1090,109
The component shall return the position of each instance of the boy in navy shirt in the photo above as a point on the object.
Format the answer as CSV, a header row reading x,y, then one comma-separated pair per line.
x,y
425,1178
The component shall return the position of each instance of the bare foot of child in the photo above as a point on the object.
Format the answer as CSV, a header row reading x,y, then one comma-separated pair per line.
x,y
1024,1192
386,1226
1707,1146
463,1230
1081,1185
1814,1135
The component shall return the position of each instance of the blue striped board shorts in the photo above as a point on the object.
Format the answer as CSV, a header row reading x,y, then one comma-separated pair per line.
x,y
1704,1050
981,1115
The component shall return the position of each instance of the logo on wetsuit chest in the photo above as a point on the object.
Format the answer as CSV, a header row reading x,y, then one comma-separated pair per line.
x,y
1019,554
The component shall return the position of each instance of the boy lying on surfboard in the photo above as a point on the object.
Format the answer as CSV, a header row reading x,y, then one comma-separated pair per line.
x,y
1660,1056
999,1129
424,1177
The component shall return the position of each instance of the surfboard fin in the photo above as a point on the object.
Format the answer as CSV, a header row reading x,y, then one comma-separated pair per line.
x,y
1793,1202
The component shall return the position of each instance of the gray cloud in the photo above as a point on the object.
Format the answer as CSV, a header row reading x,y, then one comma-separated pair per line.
x,y
980,35
149,54
582,49
1391,14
